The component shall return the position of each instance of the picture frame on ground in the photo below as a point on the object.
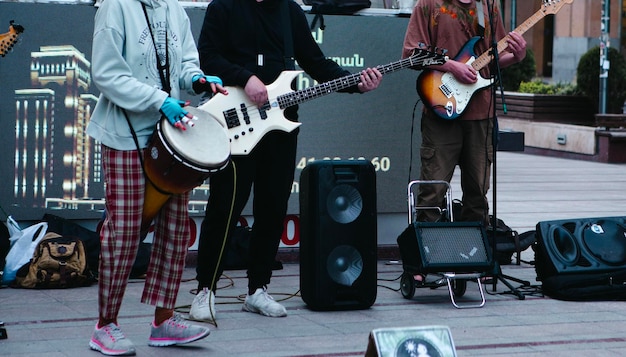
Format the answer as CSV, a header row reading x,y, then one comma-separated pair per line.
x,y
414,341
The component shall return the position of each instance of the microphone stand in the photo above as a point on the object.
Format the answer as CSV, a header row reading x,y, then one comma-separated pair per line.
x,y
496,75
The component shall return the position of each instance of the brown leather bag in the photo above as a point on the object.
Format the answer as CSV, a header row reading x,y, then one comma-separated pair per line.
x,y
58,262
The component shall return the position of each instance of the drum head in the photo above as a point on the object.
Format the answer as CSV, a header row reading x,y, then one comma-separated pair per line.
x,y
205,144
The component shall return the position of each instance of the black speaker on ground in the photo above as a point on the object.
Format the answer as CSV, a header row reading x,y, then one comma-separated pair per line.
x,y
431,247
580,246
338,235
582,259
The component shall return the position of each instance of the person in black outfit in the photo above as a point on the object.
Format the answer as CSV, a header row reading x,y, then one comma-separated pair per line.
x,y
242,42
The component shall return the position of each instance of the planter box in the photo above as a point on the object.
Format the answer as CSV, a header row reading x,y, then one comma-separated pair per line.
x,y
611,121
567,109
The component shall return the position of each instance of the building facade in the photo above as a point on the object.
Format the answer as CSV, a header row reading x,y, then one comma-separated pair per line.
x,y
560,39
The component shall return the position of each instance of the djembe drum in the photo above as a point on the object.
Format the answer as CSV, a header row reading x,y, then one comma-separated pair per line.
x,y
177,161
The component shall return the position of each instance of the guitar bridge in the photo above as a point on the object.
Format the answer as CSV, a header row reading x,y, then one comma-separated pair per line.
x,y
231,118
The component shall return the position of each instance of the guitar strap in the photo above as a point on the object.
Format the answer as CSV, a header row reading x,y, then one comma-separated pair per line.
x,y
164,69
288,54
481,17
287,36
164,74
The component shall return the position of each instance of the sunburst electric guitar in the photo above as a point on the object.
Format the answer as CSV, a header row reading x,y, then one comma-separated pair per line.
x,y
247,123
8,39
446,96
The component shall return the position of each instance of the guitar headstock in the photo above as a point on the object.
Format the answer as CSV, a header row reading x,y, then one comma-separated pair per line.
x,y
551,7
424,56
8,39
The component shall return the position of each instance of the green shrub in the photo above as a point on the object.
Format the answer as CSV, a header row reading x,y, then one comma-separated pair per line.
x,y
539,87
588,78
517,73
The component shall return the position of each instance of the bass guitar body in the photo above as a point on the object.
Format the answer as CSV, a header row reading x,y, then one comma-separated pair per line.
x,y
247,124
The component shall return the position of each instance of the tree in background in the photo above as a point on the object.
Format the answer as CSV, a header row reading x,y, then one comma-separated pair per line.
x,y
588,79
517,73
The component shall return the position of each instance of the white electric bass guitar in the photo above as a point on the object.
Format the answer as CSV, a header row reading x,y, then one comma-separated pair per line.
x,y
247,124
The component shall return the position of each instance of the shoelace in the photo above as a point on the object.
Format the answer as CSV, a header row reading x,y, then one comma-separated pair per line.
x,y
178,320
267,296
115,333
204,298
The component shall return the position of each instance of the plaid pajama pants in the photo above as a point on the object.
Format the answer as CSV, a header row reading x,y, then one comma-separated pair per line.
x,y
120,237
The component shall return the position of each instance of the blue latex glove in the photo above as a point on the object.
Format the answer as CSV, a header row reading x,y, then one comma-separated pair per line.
x,y
202,83
173,110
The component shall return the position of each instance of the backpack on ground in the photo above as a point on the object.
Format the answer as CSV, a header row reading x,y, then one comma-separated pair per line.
x,y
508,241
58,262
69,228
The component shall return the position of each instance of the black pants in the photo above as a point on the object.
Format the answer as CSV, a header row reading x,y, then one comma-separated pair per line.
x,y
269,168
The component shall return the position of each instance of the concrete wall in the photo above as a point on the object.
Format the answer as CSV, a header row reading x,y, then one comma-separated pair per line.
x,y
554,136
567,53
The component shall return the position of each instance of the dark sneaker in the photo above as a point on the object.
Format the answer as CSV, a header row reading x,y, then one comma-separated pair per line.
x,y
176,331
110,340
203,306
262,303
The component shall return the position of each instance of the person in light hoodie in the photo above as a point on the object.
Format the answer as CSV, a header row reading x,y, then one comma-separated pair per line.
x,y
144,57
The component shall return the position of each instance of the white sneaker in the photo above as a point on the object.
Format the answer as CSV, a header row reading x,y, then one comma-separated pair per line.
x,y
176,331
110,341
262,303
203,306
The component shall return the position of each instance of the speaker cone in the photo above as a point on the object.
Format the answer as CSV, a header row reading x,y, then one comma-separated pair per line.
x,y
607,241
564,245
344,265
344,203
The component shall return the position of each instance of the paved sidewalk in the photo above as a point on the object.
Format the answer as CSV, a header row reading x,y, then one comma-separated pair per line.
x,y
530,189
59,323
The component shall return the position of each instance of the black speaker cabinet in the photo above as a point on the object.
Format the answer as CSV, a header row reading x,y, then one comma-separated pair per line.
x,y
459,247
338,232
580,245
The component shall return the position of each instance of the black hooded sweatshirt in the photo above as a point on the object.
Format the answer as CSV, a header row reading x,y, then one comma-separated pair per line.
x,y
236,32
